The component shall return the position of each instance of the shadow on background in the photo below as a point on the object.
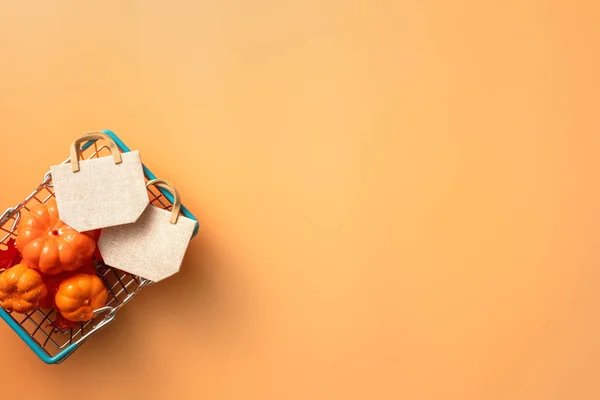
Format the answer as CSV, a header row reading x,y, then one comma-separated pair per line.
x,y
197,302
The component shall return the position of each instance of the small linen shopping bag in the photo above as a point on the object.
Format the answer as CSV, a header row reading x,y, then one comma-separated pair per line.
x,y
154,246
100,192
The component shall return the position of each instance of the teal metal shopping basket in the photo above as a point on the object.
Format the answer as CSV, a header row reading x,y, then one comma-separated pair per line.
x,y
51,345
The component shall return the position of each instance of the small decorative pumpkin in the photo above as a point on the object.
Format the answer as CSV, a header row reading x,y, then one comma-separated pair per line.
x,y
52,282
78,296
50,245
21,289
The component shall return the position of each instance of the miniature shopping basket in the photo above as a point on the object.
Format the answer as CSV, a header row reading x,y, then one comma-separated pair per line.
x,y
50,344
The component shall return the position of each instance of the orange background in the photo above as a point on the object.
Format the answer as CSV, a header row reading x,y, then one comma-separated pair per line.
x,y
398,198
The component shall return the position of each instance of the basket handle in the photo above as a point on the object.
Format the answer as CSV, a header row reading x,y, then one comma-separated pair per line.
x,y
75,148
176,198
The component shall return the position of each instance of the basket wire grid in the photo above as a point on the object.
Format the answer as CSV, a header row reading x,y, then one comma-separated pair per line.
x,y
121,286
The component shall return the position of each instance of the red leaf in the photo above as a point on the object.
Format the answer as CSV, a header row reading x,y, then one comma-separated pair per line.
x,y
98,255
95,234
61,323
87,268
52,283
9,257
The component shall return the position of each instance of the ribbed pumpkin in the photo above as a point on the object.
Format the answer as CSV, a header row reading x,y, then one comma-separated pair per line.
x,y
21,289
78,296
48,244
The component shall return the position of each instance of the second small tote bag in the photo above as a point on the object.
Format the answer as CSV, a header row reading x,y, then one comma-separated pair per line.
x,y
154,246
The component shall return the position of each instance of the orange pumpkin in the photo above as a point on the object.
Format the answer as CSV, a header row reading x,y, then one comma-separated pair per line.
x,y
78,296
21,289
50,245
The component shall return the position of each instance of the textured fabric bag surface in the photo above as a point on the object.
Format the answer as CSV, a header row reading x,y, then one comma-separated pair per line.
x,y
152,248
101,194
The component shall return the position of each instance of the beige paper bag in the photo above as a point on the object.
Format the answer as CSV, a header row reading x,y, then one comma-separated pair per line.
x,y
154,246
100,192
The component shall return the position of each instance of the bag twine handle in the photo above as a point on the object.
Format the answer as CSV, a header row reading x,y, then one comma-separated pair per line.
x,y
75,148
176,198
